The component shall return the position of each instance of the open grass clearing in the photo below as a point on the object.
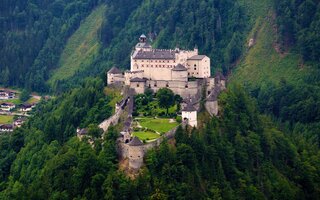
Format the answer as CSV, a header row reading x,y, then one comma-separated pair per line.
x,y
6,119
81,47
14,101
146,135
33,100
161,125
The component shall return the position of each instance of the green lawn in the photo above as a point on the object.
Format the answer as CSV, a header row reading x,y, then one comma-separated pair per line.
x,y
15,101
148,135
161,125
6,119
81,47
33,100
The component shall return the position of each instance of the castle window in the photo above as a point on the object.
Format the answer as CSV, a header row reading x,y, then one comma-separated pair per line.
x,y
167,85
195,68
149,86
186,86
137,85
155,85
195,65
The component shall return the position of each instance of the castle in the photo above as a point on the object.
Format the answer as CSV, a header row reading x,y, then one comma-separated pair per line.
x,y
185,72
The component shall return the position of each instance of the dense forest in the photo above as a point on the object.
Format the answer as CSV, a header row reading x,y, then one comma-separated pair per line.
x,y
233,157
299,24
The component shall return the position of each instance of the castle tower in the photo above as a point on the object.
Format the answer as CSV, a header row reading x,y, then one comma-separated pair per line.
x,y
143,38
196,50
190,113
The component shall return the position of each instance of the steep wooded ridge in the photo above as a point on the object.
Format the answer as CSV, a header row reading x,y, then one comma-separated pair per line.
x,y
264,145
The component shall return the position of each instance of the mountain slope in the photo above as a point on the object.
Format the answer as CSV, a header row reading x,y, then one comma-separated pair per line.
x,y
32,37
81,47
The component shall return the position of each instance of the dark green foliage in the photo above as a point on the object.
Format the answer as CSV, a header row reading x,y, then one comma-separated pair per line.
x,y
32,36
78,108
166,99
299,24
250,160
25,95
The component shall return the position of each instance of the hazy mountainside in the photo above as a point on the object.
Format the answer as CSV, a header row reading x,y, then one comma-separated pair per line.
x,y
242,154
32,37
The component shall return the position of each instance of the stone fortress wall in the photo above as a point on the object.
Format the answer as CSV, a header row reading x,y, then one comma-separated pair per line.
x,y
135,154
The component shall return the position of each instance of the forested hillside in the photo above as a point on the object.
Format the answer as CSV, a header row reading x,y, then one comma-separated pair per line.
x,y
32,37
264,145
276,72
218,28
234,157
299,24
39,34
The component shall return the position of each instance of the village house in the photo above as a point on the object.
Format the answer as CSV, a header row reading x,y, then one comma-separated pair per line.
x,y
5,94
26,107
6,128
18,122
7,106
82,132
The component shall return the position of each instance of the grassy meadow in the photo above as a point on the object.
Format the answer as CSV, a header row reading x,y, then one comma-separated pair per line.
x,y
81,47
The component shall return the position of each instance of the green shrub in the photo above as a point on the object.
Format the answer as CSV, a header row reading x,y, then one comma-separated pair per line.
x,y
179,119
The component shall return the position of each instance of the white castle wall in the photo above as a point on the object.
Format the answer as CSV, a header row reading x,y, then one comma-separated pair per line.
x,y
191,117
128,75
199,68
179,75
